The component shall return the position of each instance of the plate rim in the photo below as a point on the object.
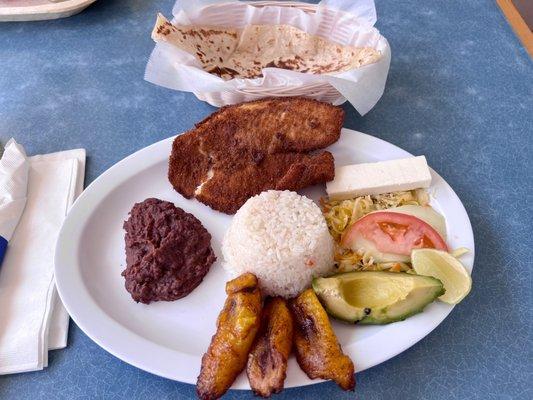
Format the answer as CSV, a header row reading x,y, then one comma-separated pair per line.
x,y
84,314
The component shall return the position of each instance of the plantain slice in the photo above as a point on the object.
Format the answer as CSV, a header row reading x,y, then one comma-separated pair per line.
x,y
317,350
267,362
237,326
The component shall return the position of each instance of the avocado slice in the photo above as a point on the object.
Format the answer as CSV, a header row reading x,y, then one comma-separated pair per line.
x,y
376,297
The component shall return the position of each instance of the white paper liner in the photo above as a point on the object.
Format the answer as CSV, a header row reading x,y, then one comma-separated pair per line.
x,y
342,21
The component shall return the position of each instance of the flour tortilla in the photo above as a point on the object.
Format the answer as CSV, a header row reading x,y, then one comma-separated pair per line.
x,y
231,53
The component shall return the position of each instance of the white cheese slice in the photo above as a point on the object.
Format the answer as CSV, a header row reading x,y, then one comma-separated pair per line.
x,y
380,177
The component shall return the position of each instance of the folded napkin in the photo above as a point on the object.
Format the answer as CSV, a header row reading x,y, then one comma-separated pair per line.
x,y
32,318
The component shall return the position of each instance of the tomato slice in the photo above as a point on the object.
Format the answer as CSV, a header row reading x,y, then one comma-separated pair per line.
x,y
393,233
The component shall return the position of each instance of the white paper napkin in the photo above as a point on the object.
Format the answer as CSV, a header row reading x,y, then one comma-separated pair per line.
x,y
32,318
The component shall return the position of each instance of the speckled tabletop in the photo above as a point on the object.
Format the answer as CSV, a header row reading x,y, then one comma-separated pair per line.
x,y
460,91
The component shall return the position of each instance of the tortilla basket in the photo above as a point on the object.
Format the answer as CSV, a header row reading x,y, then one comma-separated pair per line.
x,y
362,86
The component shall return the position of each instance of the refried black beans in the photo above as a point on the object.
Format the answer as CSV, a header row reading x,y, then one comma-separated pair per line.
x,y
168,252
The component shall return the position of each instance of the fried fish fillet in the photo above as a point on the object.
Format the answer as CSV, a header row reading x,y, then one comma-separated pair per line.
x,y
267,362
317,350
237,326
244,149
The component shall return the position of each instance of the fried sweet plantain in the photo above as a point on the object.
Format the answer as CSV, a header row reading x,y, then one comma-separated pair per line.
x,y
267,362
317,350
237,326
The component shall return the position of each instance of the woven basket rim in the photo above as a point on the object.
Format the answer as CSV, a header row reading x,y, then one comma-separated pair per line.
x,y
307,7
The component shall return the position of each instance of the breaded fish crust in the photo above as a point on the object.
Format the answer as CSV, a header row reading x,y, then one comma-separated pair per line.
x,y
267,362
237,326
317,350
243,149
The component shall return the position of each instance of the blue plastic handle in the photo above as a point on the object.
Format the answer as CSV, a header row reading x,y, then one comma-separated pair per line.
x,y
3,249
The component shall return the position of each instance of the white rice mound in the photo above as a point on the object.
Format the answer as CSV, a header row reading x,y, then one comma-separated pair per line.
x,y
283,239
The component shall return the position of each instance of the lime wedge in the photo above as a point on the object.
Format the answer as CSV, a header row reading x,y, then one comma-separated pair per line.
x,y
447,269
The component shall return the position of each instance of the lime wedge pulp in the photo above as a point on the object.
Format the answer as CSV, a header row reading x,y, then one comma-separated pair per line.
x,y
447,269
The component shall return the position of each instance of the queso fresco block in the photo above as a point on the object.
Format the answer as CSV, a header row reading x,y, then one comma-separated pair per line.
x,y
380,177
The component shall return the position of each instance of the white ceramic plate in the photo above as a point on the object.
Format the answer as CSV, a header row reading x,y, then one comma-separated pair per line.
x,y
35,10
169,338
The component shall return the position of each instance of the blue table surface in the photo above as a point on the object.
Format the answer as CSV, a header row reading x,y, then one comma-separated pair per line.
x,y
460,91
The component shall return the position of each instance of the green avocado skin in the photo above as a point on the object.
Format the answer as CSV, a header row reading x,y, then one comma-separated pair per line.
x,y
426,290
383,320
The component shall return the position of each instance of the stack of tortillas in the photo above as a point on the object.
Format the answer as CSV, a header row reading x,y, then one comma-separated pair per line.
x,y
243,53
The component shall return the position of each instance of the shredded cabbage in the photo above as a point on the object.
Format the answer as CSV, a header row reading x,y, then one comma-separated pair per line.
x,y
341,214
